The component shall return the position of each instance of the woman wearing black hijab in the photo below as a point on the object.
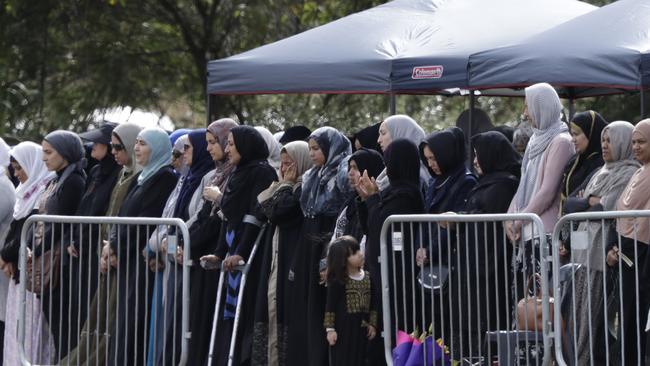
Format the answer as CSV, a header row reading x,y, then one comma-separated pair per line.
x,y
84,244
348,222
242,221
586,128
63,153
367,138
481,274
403,196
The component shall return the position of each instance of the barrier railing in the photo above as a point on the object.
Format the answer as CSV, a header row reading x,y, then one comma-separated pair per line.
x,y
103,290
477,297
604,307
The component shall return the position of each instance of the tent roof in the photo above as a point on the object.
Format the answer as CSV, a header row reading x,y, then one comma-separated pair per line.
x,y
404,46
601,52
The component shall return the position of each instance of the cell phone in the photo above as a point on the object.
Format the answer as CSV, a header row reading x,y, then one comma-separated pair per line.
x,y
172,243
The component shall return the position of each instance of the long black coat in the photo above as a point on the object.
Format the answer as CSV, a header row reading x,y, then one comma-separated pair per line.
x,y
146,200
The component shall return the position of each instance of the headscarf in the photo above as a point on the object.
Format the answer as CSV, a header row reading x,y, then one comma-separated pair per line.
x,y
635,196
448,147
253,151
179,145
580,168
323,187
295,133
402,164
616,171
127,133
273,145
30,157
368,159
160,152
4,155
495,153
298,151
220,130
174,136
368,137
69,146
201,164
545,109
402,126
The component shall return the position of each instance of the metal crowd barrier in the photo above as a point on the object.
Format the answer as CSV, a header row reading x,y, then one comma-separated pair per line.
x,y
604,309
136,312
243,268
471,301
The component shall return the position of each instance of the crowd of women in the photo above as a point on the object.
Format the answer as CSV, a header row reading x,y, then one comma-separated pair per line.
x,y
314,202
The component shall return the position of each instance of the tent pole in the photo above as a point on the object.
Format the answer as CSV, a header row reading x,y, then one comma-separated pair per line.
x,y
468,134
572,108
211,114
392,108
643,110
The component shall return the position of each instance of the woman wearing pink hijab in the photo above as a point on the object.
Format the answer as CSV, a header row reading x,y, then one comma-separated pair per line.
x,y
634,234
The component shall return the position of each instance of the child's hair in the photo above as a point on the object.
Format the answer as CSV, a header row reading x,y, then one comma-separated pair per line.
x,y
337,258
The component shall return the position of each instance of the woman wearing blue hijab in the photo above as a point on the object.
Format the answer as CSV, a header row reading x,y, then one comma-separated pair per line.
x,y
145,199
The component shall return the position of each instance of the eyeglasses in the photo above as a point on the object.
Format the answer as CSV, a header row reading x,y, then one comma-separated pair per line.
x,y
187,147
176,154
117,147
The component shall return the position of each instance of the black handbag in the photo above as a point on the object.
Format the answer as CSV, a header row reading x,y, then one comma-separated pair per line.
x,y
433,277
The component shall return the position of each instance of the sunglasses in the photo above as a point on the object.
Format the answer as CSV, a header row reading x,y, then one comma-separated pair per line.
x,y
176,154
117,147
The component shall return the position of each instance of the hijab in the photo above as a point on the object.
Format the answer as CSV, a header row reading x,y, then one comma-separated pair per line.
x,y
30,157
252,148
545,109
201,164
160,152
273,145
402,126
402,164
174,136
635,196
69,146
4,155
323,187
448,147
368,159
179,145
580,168
295,133
298,151
220,130
368,137
496,154
619,170
127,133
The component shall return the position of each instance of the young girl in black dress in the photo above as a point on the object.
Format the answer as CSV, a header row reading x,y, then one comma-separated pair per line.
x,y
350,314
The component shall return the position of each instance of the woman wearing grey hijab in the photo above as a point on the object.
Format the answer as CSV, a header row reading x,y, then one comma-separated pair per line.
x,y
63,153
591,295
396,127
547,153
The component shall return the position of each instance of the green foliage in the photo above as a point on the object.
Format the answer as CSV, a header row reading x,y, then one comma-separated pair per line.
x,y
60,61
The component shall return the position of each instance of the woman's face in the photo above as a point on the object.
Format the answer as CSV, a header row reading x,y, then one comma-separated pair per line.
x,y
285,163
188,150
641,148
604,143
384,137
53,160
580,140
142,151
231,150
119,151
99,151
431,160
214,148
315,153
353,173
19,172
527,116
477,166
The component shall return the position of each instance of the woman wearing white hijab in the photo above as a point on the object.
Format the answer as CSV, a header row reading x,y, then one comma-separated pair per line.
x,y
7,199
26,159
548,151
274,147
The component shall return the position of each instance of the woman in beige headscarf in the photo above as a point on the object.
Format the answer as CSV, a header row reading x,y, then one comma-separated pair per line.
x,y
634,235
281,204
